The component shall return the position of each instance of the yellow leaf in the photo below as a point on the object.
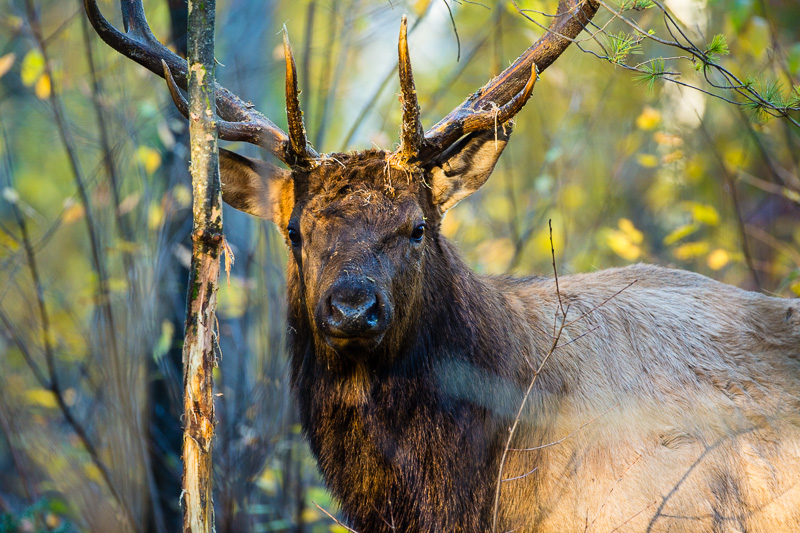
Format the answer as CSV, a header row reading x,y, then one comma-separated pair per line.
x,y
6,62
338,528
671,157
73,212
420,6
52,521
128,247
794,196
182,195
13,22
635,236
149,158
128,203
620,243
310,515
679,233
7,241
667,139
155,217
795,286
703,213
32,68
695,169
43,87
268,481
735,157
717,259
647,160
117,284
41,398
648,119
690,250
93,472
70,396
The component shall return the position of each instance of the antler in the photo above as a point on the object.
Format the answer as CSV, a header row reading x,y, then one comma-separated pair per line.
x,y
503,97
297,131
411,130
240,120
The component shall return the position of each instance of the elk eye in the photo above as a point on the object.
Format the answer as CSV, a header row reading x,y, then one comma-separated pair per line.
x,y
294,235
418,233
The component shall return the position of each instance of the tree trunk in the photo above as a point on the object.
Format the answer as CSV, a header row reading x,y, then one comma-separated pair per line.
x,y
207,243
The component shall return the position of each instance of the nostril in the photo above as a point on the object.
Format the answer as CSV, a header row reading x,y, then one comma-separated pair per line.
x,y
371,315
338,310
353,311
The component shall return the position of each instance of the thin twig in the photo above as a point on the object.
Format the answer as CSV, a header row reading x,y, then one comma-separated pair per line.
x,y
555,271
562,439
334,518
601,304
524,401
597,513
646,507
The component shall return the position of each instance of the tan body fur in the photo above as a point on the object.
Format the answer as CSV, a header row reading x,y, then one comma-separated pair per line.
x,y
679,397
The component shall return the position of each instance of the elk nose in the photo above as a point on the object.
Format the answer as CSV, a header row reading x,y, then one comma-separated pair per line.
x,y
354,312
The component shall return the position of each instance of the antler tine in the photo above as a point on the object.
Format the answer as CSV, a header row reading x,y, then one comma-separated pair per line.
x,y
297,131
177,97
411,130
240,122
510,90
489,118
250,132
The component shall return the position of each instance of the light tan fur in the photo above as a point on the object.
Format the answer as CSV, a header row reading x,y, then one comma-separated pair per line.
x,y
678,398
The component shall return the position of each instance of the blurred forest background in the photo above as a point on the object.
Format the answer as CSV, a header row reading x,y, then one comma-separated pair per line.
x,y
95,215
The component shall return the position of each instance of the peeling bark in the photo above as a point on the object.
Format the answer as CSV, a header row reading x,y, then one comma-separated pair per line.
x,y
207,241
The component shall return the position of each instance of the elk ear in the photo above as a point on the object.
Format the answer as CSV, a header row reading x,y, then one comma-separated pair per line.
x,y
256,187
465,166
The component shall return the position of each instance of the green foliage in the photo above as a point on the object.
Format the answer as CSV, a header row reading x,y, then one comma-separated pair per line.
x,y
717,47
651,71
636,5
621,45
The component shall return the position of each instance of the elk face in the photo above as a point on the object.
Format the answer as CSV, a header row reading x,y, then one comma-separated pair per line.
x,y
361,231
358,238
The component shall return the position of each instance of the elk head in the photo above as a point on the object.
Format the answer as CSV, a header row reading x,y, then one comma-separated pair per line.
x,y
363,226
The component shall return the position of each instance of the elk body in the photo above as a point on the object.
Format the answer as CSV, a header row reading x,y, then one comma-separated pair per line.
x,y
640,398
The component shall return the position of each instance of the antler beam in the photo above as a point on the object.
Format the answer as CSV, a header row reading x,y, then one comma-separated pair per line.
x,y
240,121
512,84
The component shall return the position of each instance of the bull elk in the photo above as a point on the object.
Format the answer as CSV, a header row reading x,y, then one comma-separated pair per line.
x,y
436,399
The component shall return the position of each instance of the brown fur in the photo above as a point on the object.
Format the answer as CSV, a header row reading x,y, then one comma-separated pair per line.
x,y
672,402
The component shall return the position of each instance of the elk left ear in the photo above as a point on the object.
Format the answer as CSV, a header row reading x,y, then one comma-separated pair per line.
x,y
256,187
465,167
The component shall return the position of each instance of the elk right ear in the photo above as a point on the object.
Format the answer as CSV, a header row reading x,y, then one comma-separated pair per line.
x,y
256,187
465,166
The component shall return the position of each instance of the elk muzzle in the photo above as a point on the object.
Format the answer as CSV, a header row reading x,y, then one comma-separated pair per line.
x,y
354,314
